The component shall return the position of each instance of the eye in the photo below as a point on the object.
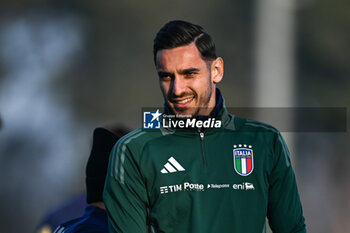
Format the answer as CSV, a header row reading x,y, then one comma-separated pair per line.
x,y
164,78
190,74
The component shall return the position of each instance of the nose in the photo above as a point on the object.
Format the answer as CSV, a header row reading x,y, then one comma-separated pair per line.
x,y
178,86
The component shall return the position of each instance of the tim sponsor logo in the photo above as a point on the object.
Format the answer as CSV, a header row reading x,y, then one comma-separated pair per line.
x,y
181,187
171,188
243,186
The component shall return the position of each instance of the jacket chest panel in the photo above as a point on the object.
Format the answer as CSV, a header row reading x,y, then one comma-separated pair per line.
x,y
191,166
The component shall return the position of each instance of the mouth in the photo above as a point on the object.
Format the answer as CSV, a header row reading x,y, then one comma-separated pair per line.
x,y
183,102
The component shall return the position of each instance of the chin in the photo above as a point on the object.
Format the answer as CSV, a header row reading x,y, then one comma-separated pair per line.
x,y
189,112
182,112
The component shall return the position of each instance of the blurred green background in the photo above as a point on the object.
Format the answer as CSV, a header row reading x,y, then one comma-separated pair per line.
x,y
67,67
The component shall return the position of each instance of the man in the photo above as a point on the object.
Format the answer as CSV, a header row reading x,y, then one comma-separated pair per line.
x,y
94,218
226,178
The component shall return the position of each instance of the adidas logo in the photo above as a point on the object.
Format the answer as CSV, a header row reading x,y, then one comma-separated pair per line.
x,y
172,166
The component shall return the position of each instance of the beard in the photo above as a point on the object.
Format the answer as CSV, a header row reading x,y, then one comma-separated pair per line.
x,y
201,107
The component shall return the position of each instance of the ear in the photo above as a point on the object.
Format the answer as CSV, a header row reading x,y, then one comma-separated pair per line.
x,y
217,70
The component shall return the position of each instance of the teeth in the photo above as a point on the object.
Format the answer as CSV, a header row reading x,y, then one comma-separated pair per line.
x,y
184,101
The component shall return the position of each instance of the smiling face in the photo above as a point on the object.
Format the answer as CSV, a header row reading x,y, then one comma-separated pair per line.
x,y
187,81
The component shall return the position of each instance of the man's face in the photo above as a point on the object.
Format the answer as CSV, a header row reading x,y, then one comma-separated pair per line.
x,y
186,80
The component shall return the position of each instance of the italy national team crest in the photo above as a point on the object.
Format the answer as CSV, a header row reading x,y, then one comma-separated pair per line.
x,y
243,159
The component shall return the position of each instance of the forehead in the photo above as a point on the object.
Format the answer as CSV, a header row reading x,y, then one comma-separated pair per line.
x,y
179,58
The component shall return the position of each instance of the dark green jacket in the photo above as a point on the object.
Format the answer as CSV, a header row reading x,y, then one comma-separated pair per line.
x,y
226,180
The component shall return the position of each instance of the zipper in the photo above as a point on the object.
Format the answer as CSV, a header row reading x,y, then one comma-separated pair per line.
x,y
201,135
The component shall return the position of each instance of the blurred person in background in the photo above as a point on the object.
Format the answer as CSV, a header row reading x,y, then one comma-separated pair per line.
x,y
215,179
72,208
94,218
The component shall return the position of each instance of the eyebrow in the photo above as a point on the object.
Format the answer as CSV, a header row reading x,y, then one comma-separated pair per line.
x,y
183,72
164,74
189,70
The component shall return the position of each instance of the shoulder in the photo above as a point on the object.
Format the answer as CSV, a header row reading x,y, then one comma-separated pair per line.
x,y
243,124
137,138
93,220
69,226
129,148
83,227
261,132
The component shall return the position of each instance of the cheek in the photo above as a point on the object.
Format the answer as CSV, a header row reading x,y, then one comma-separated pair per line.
x,y
202,85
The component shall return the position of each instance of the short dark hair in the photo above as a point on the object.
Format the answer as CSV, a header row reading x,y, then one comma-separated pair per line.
x,y
178,33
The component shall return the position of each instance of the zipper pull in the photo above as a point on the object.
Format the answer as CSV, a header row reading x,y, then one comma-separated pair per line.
x,y
201,134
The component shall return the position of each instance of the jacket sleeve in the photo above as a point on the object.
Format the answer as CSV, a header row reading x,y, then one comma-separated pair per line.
x,y
125,195
284,207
